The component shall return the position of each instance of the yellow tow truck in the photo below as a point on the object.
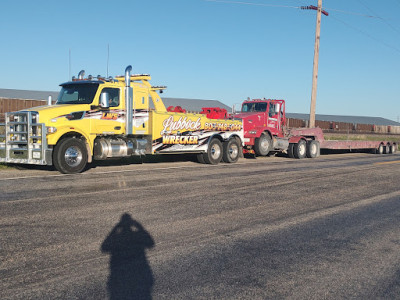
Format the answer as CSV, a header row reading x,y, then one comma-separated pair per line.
x,y
97,118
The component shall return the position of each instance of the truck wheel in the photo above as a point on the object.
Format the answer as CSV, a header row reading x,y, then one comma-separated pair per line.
x,y
70,156
290,150
263,145
380,149
300,149
231,151
200,158
214,152
313,149
387,149
393,149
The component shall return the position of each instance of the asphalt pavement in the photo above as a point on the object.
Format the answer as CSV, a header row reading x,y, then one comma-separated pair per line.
x,y
265,228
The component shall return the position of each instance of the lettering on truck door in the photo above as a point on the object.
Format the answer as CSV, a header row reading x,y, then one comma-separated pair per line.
x,y
110,120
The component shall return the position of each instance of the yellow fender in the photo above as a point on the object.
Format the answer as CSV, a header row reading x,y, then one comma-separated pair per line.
x,y
52,139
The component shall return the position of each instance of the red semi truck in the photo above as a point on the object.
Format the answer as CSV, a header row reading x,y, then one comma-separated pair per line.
x,y
265,131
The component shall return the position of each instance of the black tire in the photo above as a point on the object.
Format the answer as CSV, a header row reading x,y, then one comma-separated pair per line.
x,y
387,149
393,148
200,158
380,149
263,145
300,149
231,151
214,152
290,150
313,149
70,156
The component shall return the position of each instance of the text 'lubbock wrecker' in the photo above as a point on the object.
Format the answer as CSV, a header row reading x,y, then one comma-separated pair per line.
x,y
104,118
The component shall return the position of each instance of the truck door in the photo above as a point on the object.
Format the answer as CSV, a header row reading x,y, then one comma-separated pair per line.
x,y
273,122
109,120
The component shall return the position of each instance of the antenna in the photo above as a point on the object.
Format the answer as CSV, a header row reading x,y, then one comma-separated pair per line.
x,y
69,63
108,57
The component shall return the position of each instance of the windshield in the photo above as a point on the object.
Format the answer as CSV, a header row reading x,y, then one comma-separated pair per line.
x,y
77,94
254,106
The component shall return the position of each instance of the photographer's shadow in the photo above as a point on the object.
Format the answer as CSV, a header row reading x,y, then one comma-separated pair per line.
x,y
130,273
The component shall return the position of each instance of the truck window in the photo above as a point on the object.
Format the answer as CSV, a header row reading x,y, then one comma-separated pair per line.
x,y
114,96
271,112
77,94
255,106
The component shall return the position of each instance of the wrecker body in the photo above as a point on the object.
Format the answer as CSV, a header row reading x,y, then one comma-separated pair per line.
x,y
104,118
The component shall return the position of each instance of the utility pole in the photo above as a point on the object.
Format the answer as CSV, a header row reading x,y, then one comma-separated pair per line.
x,y
315,68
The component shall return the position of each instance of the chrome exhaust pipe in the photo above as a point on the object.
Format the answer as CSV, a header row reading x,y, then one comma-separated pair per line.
x,y
128,102
128,76
50,100
81,74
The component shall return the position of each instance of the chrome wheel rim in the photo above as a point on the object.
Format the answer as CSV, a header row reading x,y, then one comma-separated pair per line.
x,y
233,151
313,149
73,156
265,144
215,151
302,149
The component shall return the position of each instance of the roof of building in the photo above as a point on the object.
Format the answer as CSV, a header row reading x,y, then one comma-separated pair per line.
x,y
26,95
345,119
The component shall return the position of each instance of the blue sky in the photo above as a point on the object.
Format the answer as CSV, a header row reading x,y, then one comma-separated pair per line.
x,y
213,50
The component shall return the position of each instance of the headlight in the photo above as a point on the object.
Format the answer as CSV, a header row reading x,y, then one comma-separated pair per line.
x,y
51,130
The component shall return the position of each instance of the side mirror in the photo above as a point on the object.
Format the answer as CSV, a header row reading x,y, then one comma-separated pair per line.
x,y
277,108
104,100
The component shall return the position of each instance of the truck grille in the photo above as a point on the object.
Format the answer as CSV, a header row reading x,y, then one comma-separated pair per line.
x,y
23,139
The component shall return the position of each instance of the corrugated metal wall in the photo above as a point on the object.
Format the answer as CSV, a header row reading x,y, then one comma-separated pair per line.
x,y
344,127
7,105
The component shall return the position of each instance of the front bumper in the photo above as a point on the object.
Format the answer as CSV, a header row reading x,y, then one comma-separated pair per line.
x,y
23,139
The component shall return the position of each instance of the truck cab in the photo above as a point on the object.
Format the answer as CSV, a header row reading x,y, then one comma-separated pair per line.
x,y
264,123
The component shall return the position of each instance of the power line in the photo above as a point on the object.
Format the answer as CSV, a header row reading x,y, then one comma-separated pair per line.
x,y
386,22
352,13
288,6
331,9
367,34
251,3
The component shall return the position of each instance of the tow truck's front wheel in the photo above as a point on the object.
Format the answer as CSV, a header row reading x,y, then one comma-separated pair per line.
x,y
70,156
263,145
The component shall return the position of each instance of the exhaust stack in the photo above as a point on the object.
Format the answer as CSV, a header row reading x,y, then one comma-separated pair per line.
x,y
81,74
50,100
128,101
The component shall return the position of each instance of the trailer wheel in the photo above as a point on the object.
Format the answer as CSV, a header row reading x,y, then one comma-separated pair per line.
x,y
300,149
393,149
231,151
387,149
263,145
380,149
214,152
70,156
313,149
